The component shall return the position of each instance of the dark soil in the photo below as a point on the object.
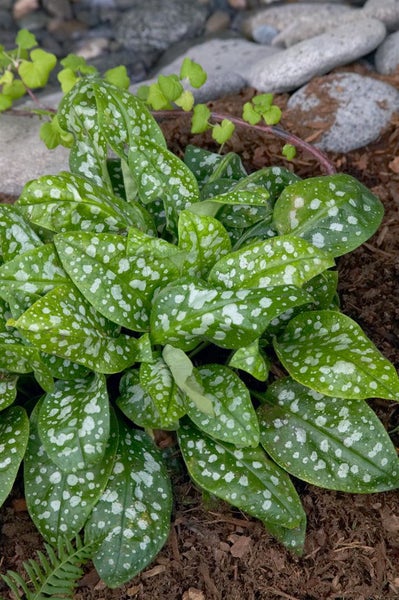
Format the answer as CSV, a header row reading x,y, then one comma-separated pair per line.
x,y
215,552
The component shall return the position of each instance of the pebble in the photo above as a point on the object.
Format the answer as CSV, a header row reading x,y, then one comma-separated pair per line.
x,y
364,107
293,67
237,46
386,58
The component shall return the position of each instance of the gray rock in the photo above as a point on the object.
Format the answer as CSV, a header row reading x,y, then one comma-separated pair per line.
x,y
226,61
386,11
364,107
23,156
294,22
386,58
154,25
291,68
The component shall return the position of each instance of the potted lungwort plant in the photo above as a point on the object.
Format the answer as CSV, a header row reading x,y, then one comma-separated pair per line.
x,y
143,292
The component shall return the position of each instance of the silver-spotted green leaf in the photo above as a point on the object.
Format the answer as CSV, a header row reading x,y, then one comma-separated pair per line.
x,y
251,360
244,477
59,502
14,433
65,324
160,174
205,165
63,368
68,202
203,240
122,116
141,244
188,379
8,389
284,260
334,443
323,289
293,539
234,419
150,397
77,113
186,312
273,179
132,517
35,271
335,212
73,422
328,352
16,235
118,285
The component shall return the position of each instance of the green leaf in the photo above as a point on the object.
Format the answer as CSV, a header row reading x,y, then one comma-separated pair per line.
x,y
73,423
293,539
194,72
156,98
35,271
77,63
162,175
123,118
187,378
200,118
284,260
14,89
65,324
273,179
335,212
53,135
170,87
59,502
323,289
188,311
149,396
120,286
204,241
250,114
328,352
185,101
25,40
118,76
16,235
210,166
67,202
14,433
8,389
244,477
334,443
223,131
272,115
35,73
251,360
5,102
132,516
67,79
234,419
289,151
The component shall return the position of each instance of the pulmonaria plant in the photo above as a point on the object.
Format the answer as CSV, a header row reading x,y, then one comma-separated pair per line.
x,y
141,292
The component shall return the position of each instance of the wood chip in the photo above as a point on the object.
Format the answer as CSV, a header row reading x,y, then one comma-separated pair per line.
x,y
193,594
241,547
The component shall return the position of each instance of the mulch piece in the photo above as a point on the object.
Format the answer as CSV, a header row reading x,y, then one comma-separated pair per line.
x,y
215,552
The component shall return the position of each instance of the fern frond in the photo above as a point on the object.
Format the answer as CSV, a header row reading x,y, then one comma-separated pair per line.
x,y
52,575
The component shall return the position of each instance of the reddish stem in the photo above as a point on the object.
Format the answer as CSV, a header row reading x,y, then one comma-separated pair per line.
x,y
290,138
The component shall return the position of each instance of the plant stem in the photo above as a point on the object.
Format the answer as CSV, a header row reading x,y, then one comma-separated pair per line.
x,y
290,138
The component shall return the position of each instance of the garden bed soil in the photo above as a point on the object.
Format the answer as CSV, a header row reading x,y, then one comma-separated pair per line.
x,y
215,552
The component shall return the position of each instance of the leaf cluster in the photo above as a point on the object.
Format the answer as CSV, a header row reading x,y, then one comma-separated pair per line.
x,y
140,291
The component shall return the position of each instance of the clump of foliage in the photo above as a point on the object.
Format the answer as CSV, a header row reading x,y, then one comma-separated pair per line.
x,y
141,292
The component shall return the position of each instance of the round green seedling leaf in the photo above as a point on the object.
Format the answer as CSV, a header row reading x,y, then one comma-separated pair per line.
x,y
186,312
244,477
73,423
14,433
200,118
284,260
25,39
334,443
203,240
59,502
35,73
223,131
194,72
63,323
335,213
234,419
328,352
132,517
